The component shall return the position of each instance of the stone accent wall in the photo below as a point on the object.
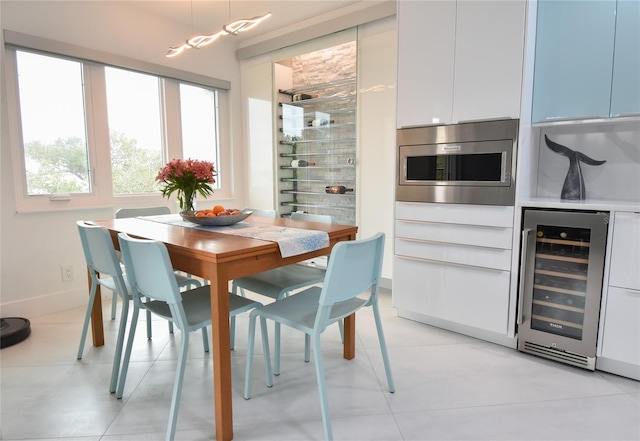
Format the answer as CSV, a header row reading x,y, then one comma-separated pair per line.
x,y
335,63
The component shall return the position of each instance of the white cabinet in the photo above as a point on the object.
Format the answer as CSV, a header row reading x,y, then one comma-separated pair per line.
x,y
452,266
426,37
489,59
459,61
620,341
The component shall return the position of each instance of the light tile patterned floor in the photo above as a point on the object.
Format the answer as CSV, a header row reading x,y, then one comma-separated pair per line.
x,y
448,387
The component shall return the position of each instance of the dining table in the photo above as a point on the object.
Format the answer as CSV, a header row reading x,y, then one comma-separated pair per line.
x,y
219,258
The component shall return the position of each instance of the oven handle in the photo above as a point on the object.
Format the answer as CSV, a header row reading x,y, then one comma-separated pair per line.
x,y
523,266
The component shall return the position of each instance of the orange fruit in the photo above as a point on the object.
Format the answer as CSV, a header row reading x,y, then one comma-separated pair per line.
x,y
218,209
210,214
200,213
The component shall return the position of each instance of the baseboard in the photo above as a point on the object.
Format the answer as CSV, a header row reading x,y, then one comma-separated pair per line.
x,y
47,304
470,331
618,367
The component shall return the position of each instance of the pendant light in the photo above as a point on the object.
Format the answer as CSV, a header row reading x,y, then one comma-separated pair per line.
x,y
231,28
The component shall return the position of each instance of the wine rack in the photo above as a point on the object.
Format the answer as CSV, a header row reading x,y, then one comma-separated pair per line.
x,y
560,280
318,131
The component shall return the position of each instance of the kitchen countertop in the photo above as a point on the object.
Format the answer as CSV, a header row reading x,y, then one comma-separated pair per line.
x,y
589,204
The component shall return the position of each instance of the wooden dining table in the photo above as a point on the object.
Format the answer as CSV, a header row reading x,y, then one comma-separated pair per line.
x,y
220,258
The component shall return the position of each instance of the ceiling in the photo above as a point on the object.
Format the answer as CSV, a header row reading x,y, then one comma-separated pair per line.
x,y
208,16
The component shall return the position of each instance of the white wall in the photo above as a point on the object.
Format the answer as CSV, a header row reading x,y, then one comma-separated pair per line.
x,y
34,246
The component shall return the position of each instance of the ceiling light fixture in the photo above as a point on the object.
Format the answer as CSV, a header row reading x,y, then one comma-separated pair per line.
x,y
232,28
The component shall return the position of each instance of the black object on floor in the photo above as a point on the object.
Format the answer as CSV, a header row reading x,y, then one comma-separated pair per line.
x,y
13,330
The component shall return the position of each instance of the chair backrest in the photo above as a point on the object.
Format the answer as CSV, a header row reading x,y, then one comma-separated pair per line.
x,y
149,269
142,211
325,218
99,252
263,212
354,267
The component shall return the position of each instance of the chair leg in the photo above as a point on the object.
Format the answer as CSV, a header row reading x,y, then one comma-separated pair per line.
x,y
114,305
276,368
119,345
87,318
267,355
148,325
205,339
232,332
127,354
383,347
307,351
177,387
248,375
322,389
250,351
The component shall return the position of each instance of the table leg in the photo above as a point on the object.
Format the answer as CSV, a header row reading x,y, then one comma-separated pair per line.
x,y
97,329
349,350
221,354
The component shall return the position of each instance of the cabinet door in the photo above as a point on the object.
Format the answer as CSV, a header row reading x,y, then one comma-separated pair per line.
x,y
574,59
488,59
622,326
470,296
625,251
426,33
625,90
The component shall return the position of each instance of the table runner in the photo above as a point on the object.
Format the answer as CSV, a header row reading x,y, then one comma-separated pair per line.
x,y
291,241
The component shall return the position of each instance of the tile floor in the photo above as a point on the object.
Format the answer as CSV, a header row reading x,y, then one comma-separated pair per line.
x,y
448,387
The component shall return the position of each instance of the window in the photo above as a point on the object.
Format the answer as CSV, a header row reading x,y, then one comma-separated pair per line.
x,y
53,125
84,133
135,130
199,115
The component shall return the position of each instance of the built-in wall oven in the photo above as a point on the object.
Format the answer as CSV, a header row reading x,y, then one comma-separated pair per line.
x,y
467,163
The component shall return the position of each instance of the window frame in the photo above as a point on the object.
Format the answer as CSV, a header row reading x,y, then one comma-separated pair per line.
x,y
96,119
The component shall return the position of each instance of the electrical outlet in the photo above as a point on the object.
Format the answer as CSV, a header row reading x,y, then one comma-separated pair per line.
x,y
67,273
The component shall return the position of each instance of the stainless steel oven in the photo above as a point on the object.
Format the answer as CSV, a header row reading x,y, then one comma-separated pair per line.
x,y
468,163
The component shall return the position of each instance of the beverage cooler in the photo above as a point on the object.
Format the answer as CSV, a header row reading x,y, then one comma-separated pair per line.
x,y
562,264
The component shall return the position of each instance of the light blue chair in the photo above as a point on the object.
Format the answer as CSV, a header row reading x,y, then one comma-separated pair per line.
x,y
150,274
184,280
101,259
278,283
354,269
105,270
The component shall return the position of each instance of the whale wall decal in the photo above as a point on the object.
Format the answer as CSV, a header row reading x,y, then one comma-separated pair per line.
x,y
573,188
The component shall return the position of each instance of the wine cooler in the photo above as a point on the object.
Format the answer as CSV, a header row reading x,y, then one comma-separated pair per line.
x,y
562,264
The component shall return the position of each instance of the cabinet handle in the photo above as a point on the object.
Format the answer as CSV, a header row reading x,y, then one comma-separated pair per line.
x,y
523,267
497,118
572,118
456,265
